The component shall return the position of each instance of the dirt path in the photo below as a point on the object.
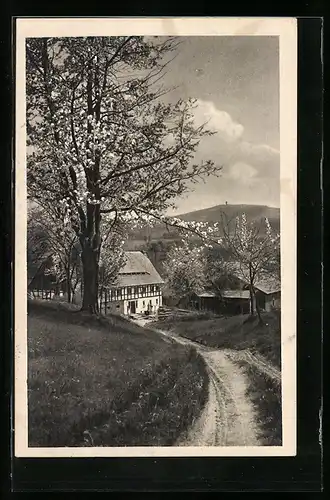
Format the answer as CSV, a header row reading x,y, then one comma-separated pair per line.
x,y
228,418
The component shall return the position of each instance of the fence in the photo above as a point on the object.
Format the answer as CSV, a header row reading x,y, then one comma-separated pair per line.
x,y
105,302
168,312
104,299
42,294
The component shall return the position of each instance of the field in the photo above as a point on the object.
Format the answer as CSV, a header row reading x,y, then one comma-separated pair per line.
x,y
107,382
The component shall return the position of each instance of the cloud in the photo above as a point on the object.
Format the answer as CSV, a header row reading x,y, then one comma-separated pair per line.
x,y
217,121
242,172
250,173
263,157
229,148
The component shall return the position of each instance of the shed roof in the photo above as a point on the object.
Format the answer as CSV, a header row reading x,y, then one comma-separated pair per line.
x,y
227,294
267,284
206,294
236,294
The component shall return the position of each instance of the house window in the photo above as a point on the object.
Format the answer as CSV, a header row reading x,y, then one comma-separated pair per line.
x,y
129,290
144,303
156,301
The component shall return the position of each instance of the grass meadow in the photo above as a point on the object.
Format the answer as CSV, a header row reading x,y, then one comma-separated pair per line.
x,y
107,382
239,333
232,332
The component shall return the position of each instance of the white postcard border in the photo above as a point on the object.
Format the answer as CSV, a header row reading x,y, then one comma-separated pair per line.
x,y
286,30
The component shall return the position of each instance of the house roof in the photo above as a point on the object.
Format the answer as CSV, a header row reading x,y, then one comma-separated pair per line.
x,y
268,286
236,294
227,294
138,270
206,294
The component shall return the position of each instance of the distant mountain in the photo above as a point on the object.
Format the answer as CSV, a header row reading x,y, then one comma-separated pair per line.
x,y
253,213
256,213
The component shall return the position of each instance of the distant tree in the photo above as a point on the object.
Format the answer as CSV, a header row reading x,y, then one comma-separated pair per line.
x,y
101,141
185,271
39,249
157,252
218,271
52,241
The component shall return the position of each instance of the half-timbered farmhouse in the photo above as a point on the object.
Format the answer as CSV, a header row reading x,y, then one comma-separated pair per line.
x,y
138,288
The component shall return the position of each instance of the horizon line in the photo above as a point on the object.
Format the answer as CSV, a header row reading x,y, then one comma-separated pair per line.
x,y
232,204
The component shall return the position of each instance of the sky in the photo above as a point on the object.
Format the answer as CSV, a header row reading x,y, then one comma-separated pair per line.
x,y
236,83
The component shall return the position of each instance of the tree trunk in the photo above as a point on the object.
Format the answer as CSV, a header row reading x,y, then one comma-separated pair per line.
x,y
252,308
68,285
89,257
91,240
253,300
258,312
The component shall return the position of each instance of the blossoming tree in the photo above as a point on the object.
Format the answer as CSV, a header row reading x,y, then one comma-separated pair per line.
x,y
218,270
185,270
252,254
255,255
100,140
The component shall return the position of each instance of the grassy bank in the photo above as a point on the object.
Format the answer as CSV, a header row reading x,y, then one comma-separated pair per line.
x,y
265,395
234,332
107,382
239,333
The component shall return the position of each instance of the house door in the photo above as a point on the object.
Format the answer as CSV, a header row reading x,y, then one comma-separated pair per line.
x,y
132,307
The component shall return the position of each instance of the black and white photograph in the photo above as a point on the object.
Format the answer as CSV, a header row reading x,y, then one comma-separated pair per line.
x,y
155,237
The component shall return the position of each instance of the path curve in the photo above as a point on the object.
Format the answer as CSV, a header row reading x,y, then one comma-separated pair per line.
x,y
228,418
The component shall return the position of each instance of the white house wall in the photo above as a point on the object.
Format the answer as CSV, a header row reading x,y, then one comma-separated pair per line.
x,y
141,305
115,307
